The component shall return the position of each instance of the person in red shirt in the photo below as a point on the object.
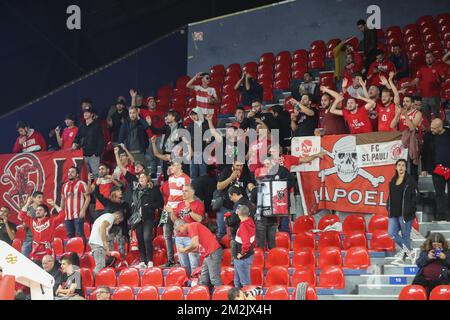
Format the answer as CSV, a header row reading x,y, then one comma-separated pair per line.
x,y
203,240
28,140
380,67
329,123
429,79
43,227
386,109
357,118
65,141
190,210
105,182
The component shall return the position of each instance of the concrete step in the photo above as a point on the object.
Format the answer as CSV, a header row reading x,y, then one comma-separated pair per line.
x,y
395,279
358,297
424,227
406,270
375,289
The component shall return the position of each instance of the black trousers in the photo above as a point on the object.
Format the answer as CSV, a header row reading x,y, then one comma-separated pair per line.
x,y
265,233
144,234
429,285
442,199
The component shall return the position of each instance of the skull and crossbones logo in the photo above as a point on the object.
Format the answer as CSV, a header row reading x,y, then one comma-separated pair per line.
x,y
345,163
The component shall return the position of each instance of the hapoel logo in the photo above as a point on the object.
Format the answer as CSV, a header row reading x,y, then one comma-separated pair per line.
x,y
24,174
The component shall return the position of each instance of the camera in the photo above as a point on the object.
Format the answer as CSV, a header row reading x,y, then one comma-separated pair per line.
x,y
254,292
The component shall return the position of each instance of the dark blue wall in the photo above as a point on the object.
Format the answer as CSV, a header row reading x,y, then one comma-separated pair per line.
x,y
244,37
158,64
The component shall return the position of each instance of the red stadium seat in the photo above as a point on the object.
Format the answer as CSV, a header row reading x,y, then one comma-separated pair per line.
x,y
304,258
300,55
58,246
425,20
250,68
357,258
304,240
182,81
413,292
20,232
258,259
378,223
60,232
331,44
198,293
329,239
329,256
268,56
226,257
87,278
266,68
159,257
153,277
303,224
277,275
328,220
277,293
176,277
17,244
332,278
410,29
381,242
318,64
277,257
172,293
106,277
311,293
441,292
283,240
87,230
129,277
354,240
218,69
267,94
227,275
234,68
443,18
221,293
257,276
354,223
282,84
318,45
304,275
87,261
298,74
393,31
148,293
283,56
75,245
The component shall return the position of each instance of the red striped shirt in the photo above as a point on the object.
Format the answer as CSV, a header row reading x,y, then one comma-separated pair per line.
x,y
176,185
202,95
73,193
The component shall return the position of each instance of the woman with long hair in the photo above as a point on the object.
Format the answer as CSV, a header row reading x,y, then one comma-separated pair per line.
x,y
401,206
433,263
147,198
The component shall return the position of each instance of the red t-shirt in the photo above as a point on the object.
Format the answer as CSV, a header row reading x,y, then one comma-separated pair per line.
x,y
68,137
259,149
196,206
385,117
104,188
358,122
207,240
157,119
402,126
430,79
385,68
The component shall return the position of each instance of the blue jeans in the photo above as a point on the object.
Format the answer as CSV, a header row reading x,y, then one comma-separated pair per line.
x,y
27,246
397,224
152,160
75,226
197,167
242,271
189,260
284,224
220,219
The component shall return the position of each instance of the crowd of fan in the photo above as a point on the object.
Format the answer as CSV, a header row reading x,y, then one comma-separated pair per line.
x,y
123,153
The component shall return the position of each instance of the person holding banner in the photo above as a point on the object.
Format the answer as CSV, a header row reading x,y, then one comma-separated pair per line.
x,y
401,206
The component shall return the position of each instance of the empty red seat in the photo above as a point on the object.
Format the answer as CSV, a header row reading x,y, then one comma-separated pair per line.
x,y
221,292
226,257
268,56
328,220
357,258
382,242
441,292
172,293
283,240
218,69
87,261
277,293
329,239
75,245
58,246
378,223
234,68
277,275
227,275
425,20
267,94
299,74
354,240
123,293
147,293
277,257
443,18
304,275
198,293
300,55
304,258
332,278
393,31
129,277
304,240
283,56
329,256
258,258
257,276
152,277
87,278
354,223
20,232
410,29
181,81
303,224
106,277
61,232
413,292
176,277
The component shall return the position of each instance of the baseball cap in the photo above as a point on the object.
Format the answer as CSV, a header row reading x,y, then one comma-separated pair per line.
x,y
70,116
235,124
192,112
89,109
121,100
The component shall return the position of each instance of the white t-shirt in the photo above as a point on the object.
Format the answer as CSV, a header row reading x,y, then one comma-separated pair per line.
x,y
96,235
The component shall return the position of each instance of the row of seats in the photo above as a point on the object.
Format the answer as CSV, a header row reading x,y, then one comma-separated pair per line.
x,y
416,292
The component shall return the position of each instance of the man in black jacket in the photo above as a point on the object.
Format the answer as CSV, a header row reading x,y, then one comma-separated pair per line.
x,y
370,42
90,139
197,129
